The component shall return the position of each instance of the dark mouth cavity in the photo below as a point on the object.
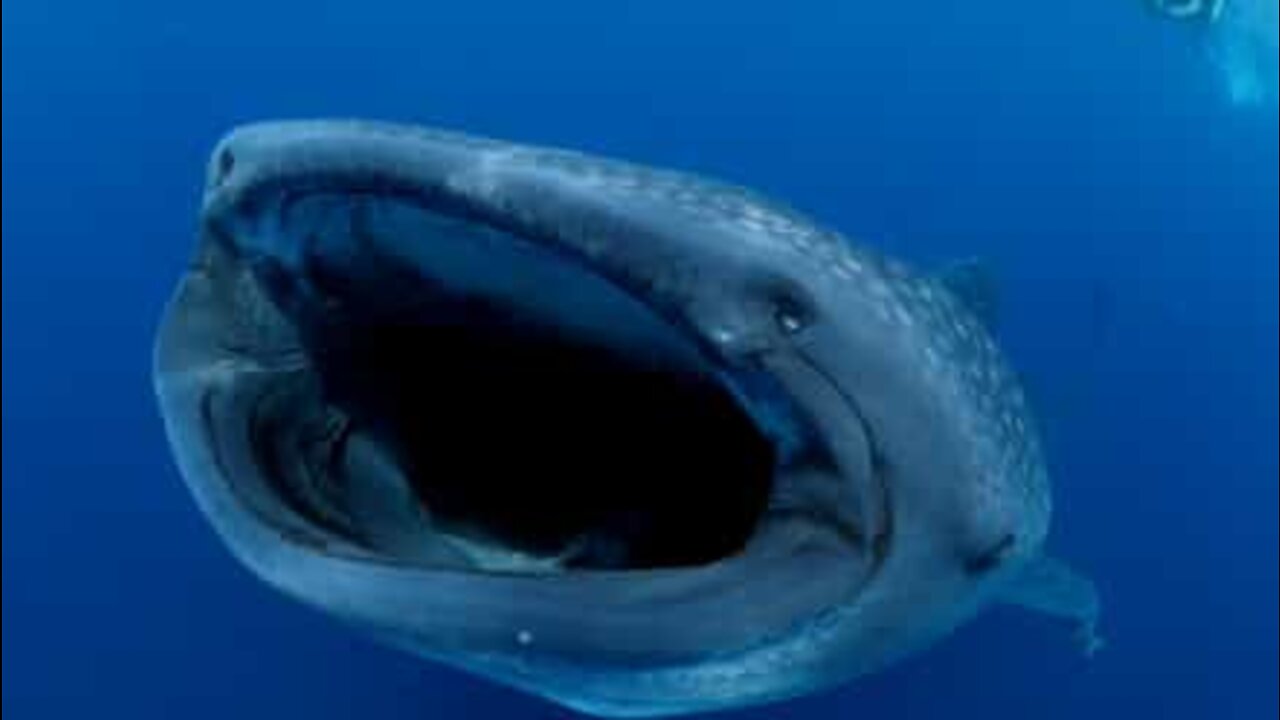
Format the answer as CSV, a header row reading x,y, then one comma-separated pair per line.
x,y
533,409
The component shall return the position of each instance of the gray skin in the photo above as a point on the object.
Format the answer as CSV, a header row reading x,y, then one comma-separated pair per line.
x,y
907,488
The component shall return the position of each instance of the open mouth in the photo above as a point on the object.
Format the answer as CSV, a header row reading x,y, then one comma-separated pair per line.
x,y
455,396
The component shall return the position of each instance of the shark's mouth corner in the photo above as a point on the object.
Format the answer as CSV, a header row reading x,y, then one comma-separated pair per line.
x,y
454,396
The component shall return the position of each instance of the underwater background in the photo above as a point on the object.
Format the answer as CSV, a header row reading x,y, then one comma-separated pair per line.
x,y
1091,153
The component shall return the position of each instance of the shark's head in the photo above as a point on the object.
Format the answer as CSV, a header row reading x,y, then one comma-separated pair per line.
x,y
628,439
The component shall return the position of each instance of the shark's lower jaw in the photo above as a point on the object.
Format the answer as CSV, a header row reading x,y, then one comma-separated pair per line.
x,y
460,398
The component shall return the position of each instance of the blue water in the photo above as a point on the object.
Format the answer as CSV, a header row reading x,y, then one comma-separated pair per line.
x,y
1084,150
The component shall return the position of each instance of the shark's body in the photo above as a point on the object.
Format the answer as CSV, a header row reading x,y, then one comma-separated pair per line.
x,y
852,470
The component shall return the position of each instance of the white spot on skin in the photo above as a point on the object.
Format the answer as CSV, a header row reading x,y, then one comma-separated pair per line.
x,y
990,374
931,356
878,290
781,227
524,637
724,336
903,317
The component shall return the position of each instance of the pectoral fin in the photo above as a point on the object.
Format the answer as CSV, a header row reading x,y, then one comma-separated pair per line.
x,y
1047,585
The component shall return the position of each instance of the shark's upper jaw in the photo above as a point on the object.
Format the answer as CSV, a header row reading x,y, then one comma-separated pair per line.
x,y
461,388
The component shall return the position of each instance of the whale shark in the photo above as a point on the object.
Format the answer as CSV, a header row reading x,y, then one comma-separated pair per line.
x,y
634,441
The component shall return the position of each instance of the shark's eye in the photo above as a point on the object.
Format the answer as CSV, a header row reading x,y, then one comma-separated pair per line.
x,y
792,310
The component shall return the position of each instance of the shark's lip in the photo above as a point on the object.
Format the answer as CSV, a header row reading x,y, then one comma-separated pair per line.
x,y
465,178
625,223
